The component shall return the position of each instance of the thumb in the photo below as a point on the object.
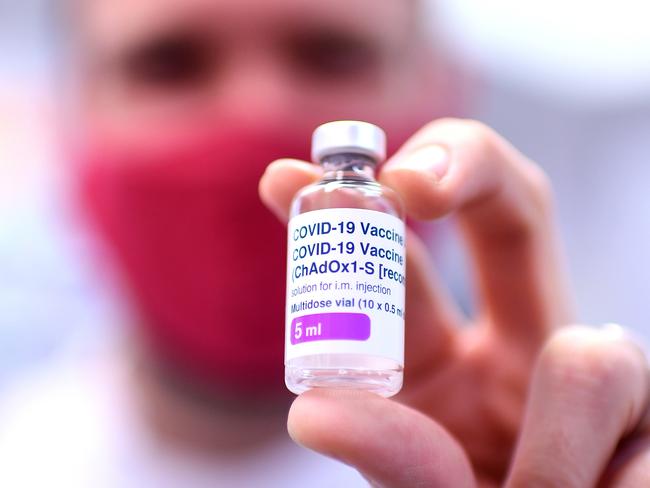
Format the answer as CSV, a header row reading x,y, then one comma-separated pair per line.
x,y
389,443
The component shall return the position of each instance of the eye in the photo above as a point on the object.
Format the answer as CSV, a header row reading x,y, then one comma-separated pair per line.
x,y
333,55
174,61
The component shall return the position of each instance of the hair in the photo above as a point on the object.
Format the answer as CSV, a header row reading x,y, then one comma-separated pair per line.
x,y
65,18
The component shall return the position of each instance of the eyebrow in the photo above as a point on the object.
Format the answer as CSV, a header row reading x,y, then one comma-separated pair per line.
x,y
193,26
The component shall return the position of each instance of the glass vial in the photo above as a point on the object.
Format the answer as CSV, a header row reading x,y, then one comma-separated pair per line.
x,y
346,269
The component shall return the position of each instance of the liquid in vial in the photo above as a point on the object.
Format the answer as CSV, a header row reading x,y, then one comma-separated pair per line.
x,y
346,269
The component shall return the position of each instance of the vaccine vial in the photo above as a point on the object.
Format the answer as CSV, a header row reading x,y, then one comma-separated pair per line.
x,y
346,269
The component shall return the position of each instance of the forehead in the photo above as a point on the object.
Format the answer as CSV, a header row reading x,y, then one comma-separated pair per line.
x,y
114,23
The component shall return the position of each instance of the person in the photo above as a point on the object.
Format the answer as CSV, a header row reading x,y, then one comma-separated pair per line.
x,y
181,107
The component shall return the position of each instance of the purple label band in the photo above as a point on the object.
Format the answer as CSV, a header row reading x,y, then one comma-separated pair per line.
x,y
330,326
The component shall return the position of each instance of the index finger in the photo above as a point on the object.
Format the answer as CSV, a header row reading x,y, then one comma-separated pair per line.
x,y
504,205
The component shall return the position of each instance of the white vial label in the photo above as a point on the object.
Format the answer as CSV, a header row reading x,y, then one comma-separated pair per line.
x,y
345,284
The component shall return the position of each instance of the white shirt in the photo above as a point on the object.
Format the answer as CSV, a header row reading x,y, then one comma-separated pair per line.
x,y
77,425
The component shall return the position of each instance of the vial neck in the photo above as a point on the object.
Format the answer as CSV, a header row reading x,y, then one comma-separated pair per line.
x,y
348,166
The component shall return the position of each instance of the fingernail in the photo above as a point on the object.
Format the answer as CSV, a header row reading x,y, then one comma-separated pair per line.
x,y
618,332
432,159
615,331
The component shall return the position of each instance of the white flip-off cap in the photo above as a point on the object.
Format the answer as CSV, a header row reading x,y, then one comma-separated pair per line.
x,y
350,136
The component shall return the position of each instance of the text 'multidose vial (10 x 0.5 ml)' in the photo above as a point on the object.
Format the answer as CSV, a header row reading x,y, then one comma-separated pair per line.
x,y
346,269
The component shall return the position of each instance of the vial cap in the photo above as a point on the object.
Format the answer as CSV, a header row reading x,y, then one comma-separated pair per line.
x,y
350,136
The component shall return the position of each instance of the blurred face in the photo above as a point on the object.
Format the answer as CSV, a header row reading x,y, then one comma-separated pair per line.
x,y
152,65
184,103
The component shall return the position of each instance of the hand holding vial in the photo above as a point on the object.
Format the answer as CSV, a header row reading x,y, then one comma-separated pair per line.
x,y
511,396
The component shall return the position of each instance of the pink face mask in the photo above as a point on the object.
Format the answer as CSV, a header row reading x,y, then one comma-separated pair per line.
x,y
203,259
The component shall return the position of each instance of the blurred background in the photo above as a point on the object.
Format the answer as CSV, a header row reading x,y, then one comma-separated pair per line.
x,y
46,293
568,82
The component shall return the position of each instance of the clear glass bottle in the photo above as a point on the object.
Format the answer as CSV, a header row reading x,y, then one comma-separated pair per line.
x,y
338,354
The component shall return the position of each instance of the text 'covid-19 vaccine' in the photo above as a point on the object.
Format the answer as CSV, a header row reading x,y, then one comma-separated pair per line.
x,y
346,269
